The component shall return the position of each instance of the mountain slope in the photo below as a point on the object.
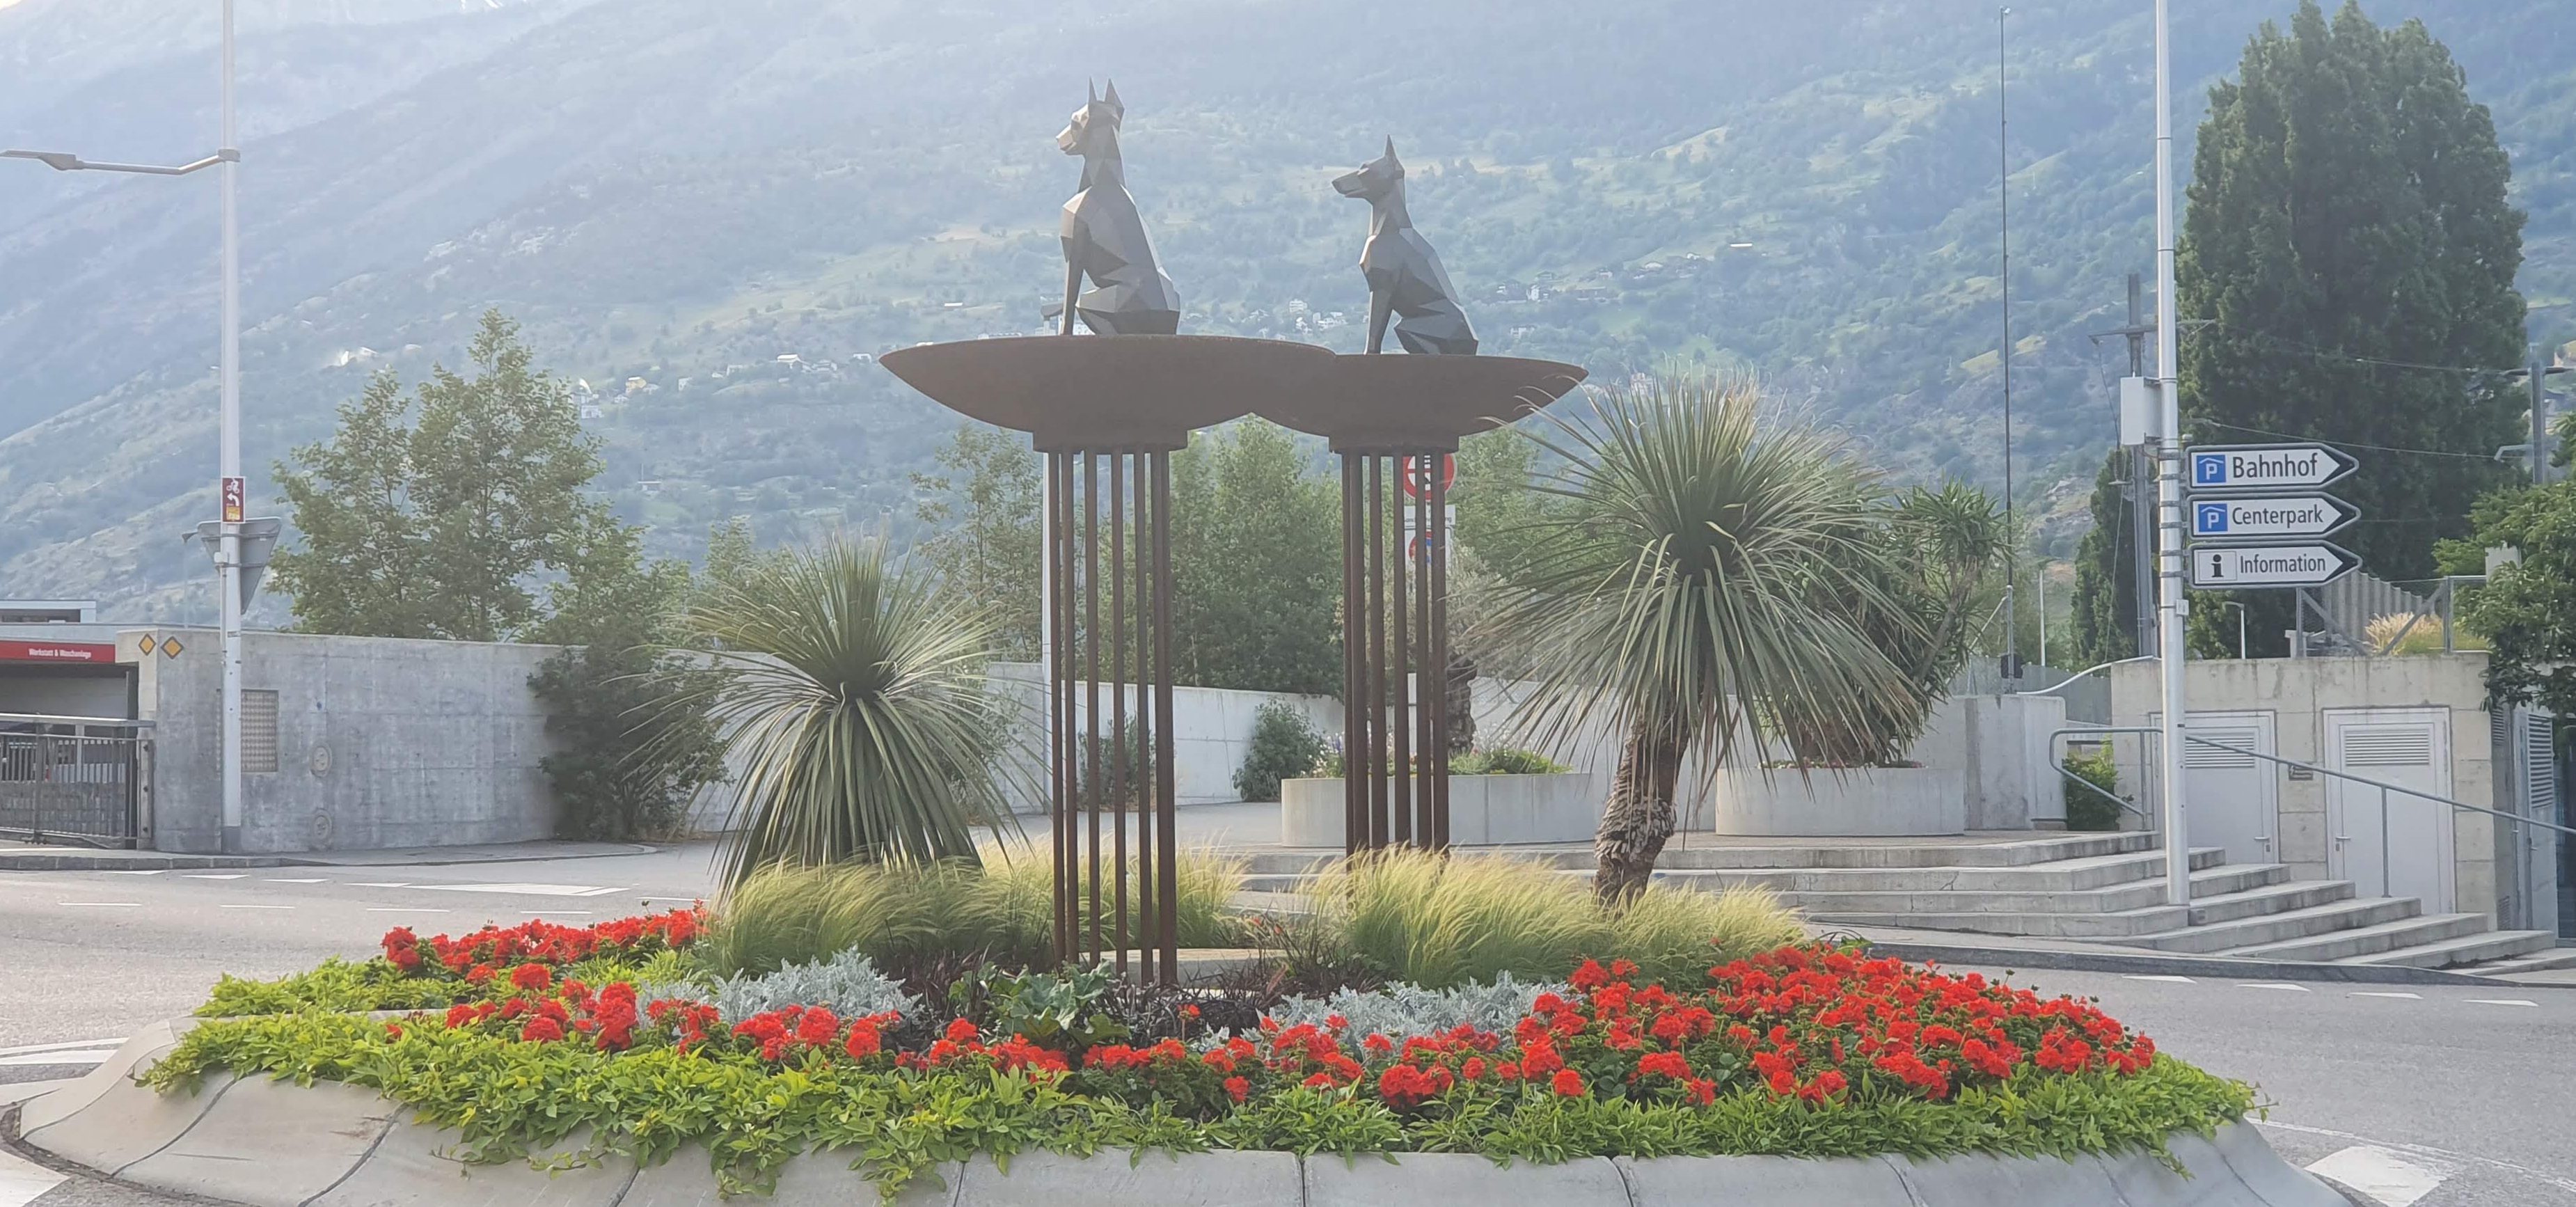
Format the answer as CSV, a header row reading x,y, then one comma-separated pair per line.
x,y
679,195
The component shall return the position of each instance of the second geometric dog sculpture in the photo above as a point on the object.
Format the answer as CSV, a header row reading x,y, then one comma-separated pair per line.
x,y
1104,236
1404,275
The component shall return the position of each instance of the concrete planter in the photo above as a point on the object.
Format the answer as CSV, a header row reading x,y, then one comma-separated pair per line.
x,y
273,1144
1484,810
1858,802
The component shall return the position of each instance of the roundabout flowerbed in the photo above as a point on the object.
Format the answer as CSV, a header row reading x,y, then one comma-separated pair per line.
x,y
566,1044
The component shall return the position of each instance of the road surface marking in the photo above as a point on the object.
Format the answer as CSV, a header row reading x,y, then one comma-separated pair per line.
x,y
2412,997
2283,986
2502,1001
131,871
531,890
41,1059
62,1047
22,1181
402,909
2437,1155
254,907
293,880
214,875
2158,976
112,904
2383,1175
380,884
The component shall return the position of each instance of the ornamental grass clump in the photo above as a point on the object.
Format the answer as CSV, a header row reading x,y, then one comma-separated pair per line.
x,y
1441,920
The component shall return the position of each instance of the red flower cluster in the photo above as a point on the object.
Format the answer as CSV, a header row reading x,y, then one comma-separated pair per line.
x,y
607,1018
477,957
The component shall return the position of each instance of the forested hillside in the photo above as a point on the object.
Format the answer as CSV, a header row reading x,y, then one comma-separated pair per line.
x,y
676,197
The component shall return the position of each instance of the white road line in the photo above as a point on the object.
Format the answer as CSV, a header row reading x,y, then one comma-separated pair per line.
x,y
214,875
62,1047
2502,1001
2412,997
2383,1175
23,1182
112,904
2430,1153
254,907
380,884
2158,976
531,890
39,1059
402,909
293,880
131,871
2282,986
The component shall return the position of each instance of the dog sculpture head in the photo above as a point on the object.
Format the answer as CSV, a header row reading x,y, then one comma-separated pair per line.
x,y
1374,179
1094,128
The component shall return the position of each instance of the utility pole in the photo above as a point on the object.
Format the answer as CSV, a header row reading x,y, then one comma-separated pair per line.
x,y
2012,537
230,492
2136,491
2170,604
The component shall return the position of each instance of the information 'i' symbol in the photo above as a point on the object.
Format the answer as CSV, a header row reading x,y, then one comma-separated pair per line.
x,y
2217,562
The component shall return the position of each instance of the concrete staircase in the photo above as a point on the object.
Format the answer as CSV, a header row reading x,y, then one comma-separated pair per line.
x,y
2099,888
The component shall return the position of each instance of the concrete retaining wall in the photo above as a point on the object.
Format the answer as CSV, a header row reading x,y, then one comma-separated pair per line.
x,y
380,742
1484,810
1863,801
273,1144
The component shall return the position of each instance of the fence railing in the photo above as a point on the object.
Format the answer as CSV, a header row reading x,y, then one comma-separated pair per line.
x,y
83,780
2383,786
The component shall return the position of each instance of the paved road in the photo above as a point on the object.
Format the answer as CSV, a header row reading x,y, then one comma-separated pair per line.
x,y
2441,1096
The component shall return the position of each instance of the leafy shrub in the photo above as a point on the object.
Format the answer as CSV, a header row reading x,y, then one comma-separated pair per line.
x,y
848,983
634,741
1284,744
1400,1012
1506,762
2087,810
1442,920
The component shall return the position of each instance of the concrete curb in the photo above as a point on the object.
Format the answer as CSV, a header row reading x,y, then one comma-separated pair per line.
x,y
77,860
2078,960
267,1143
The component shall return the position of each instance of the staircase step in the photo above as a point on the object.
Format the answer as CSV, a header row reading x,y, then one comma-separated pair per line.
x,y
2346,942
1717,852
2284,928
2065,875
2220,883
2544,959
2466,949
2276,896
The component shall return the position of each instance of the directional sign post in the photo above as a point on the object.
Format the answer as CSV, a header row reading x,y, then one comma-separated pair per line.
x,y
2305,564
2265,466
2268,516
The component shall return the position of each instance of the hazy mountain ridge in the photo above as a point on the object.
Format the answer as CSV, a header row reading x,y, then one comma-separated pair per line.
x,y
665,195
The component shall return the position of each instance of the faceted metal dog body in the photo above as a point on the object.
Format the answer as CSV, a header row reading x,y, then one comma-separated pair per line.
x,y
1104,236
1405,279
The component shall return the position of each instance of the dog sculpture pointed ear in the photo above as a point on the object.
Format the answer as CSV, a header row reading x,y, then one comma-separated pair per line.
x,y
1110,99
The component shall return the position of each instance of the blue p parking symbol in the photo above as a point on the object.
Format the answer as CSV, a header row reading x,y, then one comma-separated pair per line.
x,y
2210,519
2209,469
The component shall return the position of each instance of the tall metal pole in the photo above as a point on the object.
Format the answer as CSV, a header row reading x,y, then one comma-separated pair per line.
x,y
230,493
2170,605
2012,547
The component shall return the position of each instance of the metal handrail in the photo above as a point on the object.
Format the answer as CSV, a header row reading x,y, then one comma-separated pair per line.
x,y
2384,787
2098,790
37,718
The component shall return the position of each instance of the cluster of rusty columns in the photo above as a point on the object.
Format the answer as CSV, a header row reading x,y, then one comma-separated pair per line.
x,y
1108,413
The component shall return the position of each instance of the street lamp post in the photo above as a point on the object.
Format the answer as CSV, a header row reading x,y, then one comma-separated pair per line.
x,y
229,487
2171,606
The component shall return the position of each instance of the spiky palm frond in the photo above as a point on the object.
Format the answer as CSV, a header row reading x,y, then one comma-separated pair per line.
x,y
852,694
1694,570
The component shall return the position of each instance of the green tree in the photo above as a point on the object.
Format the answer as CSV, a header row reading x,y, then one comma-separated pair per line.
x,y
2527,610
2347,218
1703,562
986,504
2104,614
1257,564
441,528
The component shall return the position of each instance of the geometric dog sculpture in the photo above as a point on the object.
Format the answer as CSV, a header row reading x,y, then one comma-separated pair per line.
x,y
1104,237
1405,279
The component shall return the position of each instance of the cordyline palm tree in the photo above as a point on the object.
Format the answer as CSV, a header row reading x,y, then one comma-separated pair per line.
x,y
853,697
1688,574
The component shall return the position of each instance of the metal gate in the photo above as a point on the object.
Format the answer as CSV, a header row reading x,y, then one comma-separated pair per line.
x,y
79,780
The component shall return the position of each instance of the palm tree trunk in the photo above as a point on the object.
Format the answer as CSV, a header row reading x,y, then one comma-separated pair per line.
x,y
1638,819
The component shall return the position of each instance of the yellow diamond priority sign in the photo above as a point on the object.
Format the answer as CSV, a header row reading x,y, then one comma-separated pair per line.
x,y
170,648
